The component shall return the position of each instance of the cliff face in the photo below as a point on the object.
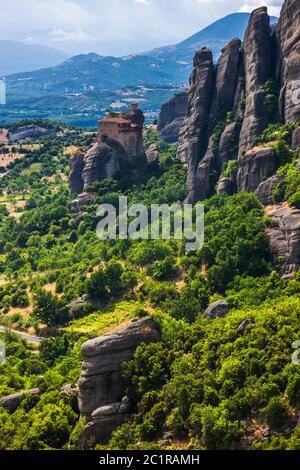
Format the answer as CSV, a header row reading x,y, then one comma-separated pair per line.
x,y
171,116
289,40
229,109
101,387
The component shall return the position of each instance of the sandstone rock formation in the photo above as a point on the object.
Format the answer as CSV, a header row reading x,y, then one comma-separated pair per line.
x,y
171,117
284,236
101,382
256,165
76,182
257,59
173,108
232,103
289,38
266,189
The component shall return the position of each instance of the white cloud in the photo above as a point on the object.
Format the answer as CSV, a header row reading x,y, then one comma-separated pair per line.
x,y
115,27
274,6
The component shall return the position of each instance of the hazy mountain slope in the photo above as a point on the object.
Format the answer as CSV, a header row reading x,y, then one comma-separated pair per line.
x,y
18,57
214,36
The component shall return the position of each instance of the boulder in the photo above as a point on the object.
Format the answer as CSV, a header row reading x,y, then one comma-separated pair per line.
x,y
152,153
217,309
226,185
284,238
256,165
83,199
258,70
242,327
104,421
266,189
12,402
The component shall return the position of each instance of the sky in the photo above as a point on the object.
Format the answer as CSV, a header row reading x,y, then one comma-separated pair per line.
x,y
114,27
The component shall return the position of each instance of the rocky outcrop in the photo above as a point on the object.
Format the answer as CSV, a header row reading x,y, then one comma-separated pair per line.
x,y
211,96
284,237
226,80
102,161
217,309
244,325
192,139
228,145
104,421
76,183
226,185
171,117
256,165
152,153
170,133
266,189
12,402
101,382
257,59
240,93
289,38
83,199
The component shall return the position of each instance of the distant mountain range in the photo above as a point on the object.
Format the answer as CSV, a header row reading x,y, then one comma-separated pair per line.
x,y
82,87
16,57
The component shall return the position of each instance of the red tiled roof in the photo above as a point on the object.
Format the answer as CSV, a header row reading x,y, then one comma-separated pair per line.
x,y
117,120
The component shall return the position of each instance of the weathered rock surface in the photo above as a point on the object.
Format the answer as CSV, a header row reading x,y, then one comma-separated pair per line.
x,y
12,402
152,153
228,145
170,133
172,109
101,381
192,139
104,421
284,237
257,58
226,80
289,37
217,309
83,199
75,179
212,95
102,161
226,185
265,190
256,165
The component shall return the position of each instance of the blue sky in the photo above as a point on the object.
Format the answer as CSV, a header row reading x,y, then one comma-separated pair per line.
x,y
115,27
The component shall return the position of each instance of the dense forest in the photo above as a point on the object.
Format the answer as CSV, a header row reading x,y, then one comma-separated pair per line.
x,y
208,384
